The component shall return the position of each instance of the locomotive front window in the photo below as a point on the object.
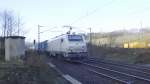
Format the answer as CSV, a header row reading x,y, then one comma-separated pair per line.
x,y
75,38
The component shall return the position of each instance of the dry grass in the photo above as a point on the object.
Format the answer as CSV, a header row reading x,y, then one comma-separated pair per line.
x,y
134,56
46,74
33,70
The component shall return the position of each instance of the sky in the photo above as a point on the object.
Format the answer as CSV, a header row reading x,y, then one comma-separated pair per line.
x,y
100,15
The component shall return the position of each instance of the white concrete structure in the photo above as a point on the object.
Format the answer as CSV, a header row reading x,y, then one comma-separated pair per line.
x,y
14,47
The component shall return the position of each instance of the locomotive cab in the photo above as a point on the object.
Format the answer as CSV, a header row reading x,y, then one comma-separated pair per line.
x,y
76,47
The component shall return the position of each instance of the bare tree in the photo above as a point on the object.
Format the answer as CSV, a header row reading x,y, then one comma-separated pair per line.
x,y
20,24
11,24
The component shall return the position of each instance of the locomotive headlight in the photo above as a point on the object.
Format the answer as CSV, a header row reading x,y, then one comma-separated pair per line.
x,y
83,47
70,49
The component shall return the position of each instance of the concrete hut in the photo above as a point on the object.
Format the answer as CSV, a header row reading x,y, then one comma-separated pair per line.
x,y
14,47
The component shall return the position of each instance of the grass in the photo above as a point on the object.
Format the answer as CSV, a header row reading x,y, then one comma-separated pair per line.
x,y
133,56
33,70
47,75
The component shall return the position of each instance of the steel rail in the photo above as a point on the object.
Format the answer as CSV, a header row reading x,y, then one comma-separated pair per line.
x,y
129,75
124,67
111,77
127,65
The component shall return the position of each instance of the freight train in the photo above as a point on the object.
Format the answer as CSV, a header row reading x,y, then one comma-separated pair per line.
x,y
66,46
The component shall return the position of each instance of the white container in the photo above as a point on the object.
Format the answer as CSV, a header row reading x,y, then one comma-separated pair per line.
x,y
14,47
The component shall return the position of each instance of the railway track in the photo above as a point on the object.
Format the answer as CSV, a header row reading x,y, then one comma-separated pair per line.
x,y
80,73
117,75
124,68
133,66
92,71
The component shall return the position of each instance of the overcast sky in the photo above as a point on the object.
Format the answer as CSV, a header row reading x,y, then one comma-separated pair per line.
x,y
100,15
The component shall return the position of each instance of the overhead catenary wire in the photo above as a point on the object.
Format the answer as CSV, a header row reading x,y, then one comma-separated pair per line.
x,y
97,9
47,30
92,12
